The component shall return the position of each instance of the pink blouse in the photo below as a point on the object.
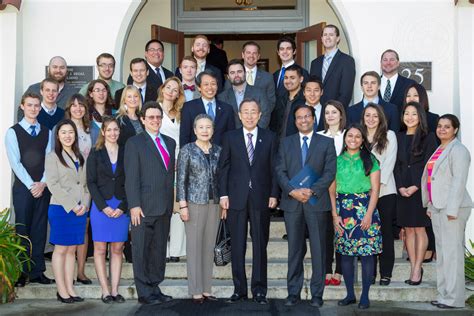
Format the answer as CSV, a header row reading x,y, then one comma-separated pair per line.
x,y
430,166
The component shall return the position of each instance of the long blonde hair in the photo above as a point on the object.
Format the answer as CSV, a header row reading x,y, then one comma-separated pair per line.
x,y
122,111
178,103
106,120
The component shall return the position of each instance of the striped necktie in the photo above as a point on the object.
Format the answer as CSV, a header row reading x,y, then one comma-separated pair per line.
x,y
164,153
250,148
388,92
326,63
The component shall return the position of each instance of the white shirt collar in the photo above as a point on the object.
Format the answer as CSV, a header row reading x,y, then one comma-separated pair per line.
x,y
49,111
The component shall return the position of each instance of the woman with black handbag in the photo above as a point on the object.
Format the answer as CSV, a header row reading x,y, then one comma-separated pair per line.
x,y
196,192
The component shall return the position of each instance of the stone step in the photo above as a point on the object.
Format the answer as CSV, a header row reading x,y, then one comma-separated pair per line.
x,y
277,269
396,291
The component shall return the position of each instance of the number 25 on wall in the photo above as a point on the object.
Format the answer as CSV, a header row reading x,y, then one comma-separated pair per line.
x,y
418,74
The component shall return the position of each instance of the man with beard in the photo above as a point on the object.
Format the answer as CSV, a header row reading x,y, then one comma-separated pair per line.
x,y
240,90
106,67
57,70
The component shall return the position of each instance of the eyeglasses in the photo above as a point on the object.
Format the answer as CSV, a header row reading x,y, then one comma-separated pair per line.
x,y
305,117
106,65
154,50
97,90
154,117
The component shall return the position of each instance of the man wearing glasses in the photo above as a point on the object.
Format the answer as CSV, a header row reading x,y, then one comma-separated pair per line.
x,y
106,67
150,165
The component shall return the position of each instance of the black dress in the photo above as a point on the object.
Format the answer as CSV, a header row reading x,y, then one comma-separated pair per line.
x,y
408,170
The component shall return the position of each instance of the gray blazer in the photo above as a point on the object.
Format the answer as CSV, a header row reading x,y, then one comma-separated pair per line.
x,y
228,96
195,176
448,180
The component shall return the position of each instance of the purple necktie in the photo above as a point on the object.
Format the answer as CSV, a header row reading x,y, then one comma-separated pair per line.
x,y
163,152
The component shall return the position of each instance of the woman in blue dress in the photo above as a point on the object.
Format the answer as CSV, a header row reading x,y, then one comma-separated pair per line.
x,y
354,197
109,218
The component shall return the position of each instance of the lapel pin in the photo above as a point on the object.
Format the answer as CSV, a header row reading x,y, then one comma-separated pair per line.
x,y
260,140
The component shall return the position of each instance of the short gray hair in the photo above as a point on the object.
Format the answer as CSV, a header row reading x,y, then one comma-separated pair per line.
x,y
202,116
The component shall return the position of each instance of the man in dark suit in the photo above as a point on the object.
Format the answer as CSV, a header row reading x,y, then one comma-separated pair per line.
x,y
200,49
306,148
240,90
150,166
247,189
334,68
370,82
292,97
257,77
393,85
154,55
139,73
218,56
221,112
286,50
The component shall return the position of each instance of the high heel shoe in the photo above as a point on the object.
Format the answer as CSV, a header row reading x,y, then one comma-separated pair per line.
x,y
417,282
67,300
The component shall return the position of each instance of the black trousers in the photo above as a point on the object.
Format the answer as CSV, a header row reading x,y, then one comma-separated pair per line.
x,y
387,207
330,247
295,222
149,253
259,232
31,215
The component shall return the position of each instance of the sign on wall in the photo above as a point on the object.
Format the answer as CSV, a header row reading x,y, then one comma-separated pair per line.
x,y
77,76
418,71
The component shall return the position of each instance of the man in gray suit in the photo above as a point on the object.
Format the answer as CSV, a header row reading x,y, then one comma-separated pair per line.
x,y
240,90
306,148
149,166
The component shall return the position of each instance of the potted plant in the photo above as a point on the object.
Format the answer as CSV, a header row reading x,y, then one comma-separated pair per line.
x,y
13,255
469,270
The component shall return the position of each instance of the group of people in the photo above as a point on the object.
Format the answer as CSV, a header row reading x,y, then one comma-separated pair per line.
x,y
170,154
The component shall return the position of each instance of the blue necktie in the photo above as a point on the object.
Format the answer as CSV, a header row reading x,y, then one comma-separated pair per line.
x,y
304,149
282,76
33,130
210,111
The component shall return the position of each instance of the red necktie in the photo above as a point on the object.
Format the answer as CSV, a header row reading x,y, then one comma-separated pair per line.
x,y
164,153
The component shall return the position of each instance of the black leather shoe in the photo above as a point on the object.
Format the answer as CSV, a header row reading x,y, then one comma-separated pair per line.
x,y
174,259
316,302
119,298
198,301
210,298
42,279
163,298
21,281
67,300
167,260
292,300
346,301
444,306
108,299
48,256
85,281
77,299
415,283
285,237
384,281
260,299
434,303
363,306
237,298
149,300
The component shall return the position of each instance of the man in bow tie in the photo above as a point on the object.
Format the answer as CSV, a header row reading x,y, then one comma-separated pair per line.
x,y
187,69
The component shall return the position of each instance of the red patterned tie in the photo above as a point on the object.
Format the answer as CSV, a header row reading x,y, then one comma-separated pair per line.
x,y
164,153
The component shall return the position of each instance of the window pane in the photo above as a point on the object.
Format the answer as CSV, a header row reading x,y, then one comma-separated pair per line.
x,y
231,5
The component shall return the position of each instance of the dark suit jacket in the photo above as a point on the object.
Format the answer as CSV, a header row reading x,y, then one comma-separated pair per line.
x,y
321,158
235,172
103,184
151,94
218,58
126,129
223,122
339,80
278,114
228,96
354,114
399,91
432,119
149,184
409,168
152,78
281,89
214,69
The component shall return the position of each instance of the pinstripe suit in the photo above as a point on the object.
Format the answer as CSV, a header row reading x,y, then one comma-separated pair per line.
x,y
149,185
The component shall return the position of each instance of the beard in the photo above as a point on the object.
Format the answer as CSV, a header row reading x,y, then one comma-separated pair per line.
x,y
58,77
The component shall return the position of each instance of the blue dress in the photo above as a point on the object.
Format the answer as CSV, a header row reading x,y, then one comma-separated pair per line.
x,y
107,229
67,229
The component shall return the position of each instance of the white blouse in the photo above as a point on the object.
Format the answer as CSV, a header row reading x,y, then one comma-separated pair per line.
x,y
338,139
171,129
387,163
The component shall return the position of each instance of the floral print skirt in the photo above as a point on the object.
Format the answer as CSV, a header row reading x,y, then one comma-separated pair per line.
x,y
354,241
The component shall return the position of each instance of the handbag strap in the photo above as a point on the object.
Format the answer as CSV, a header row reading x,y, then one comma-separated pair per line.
x,y
220,229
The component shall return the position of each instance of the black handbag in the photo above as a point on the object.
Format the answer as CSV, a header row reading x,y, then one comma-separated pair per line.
x,y
222,249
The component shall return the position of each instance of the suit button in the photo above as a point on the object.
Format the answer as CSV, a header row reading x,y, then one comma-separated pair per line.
x,y
113,179
409,166
432,178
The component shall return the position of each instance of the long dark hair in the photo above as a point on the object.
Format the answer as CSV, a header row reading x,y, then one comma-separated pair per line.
x,y
421,129
422,95
109,102
380,140
82,101
365,154
58,147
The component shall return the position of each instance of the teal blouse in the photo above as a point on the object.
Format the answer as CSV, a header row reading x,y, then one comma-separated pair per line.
x,y
350,175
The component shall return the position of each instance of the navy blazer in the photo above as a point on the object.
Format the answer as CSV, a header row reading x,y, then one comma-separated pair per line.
x,y
151,94
149,184
235,172
339,80
214,69
281,89
321,158
398,93
223,122
102,182
152,78
354,114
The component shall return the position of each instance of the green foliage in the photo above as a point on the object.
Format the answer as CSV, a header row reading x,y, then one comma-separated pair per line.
x,y
469,262
12,257
470,301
